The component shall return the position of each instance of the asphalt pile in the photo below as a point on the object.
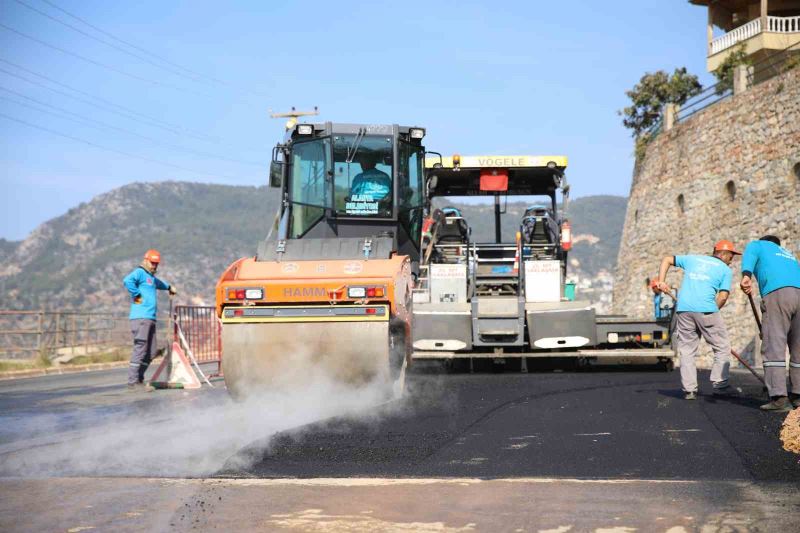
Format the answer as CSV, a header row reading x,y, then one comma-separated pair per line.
x,y
790,432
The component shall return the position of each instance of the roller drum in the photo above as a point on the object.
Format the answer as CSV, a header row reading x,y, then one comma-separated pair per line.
x,y
261,357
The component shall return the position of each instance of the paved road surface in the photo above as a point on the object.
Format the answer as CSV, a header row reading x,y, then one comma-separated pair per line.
x,y
499,452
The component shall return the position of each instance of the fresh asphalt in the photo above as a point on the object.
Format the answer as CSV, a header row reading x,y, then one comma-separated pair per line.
x,y
593,424
588,425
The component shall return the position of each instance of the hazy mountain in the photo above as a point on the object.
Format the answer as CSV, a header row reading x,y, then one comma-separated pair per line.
x,y
78,260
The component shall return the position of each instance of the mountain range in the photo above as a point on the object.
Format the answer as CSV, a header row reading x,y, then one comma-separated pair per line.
x,y
77,260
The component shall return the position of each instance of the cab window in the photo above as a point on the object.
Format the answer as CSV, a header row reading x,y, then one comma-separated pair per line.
x,y
410,175
363,170
309,190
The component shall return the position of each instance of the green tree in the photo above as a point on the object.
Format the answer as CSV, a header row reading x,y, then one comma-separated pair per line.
x,y
724,72
653,91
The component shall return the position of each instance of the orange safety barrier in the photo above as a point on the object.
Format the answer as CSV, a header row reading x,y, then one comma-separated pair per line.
x,y
203,332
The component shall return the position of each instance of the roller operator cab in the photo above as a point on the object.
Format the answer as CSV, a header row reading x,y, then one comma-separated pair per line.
x,y
509,298
328,293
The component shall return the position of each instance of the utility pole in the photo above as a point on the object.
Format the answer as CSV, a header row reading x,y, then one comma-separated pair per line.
x,y
293,115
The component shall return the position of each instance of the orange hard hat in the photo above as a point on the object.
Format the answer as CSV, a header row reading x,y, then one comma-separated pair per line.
x,y
725,246
153,256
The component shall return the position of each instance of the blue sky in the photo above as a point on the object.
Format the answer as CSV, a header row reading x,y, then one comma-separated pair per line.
x,y
483,77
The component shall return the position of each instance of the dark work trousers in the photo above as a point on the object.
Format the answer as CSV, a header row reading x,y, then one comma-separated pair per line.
x,y
781,326
144,347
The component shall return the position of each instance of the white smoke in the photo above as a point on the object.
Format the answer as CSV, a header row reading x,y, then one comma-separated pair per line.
x,y
193,435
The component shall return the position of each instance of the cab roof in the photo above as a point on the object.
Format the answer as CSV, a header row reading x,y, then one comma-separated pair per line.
x,y
528,175
344,128
499,161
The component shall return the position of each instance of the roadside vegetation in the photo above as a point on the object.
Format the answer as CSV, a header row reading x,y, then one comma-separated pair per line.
x,y
724,73
649,97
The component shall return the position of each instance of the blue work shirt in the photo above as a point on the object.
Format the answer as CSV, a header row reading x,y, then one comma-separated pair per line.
x,y
142,283
371,185
704,276
773,266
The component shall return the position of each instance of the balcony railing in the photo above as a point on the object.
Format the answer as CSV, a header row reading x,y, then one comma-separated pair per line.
x,y
736,35
783,24
752,28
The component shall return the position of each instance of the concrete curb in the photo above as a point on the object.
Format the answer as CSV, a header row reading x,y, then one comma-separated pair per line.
x,y
66,369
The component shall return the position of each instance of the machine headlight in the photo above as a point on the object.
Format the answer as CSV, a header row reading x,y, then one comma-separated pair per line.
x,y
417,133
305,129
551,164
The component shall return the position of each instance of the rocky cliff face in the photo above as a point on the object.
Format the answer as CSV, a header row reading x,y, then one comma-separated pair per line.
x,y
79,259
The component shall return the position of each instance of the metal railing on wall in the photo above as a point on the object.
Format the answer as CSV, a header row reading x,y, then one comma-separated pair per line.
x,y
27,334
774,65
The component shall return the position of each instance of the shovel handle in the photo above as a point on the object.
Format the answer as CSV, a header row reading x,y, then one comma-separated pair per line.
x,y
755,314
748,367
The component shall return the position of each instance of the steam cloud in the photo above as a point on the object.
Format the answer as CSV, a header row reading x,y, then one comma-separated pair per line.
x,y
190,438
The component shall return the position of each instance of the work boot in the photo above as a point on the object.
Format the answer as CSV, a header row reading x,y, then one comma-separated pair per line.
x,y
690,396
779,404
140,387
721,388
795,399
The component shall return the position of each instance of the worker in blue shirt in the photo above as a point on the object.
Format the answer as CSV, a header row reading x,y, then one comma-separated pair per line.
x,y
142,285
777,272
371,184
704,291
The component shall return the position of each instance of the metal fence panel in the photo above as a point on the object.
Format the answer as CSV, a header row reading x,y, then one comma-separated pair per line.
x,y
203,332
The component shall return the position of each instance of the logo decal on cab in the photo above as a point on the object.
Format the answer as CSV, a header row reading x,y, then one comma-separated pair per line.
x,y
353,268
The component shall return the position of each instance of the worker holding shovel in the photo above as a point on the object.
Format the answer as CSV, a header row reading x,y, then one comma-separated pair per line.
x,y
143,287
704,291
777,272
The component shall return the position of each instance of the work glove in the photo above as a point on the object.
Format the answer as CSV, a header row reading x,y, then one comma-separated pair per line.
x,y
172,290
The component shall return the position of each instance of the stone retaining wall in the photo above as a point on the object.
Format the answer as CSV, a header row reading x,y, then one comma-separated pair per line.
x,y
732,171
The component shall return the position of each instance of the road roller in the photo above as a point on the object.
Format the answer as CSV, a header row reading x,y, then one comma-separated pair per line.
x,y
328,293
